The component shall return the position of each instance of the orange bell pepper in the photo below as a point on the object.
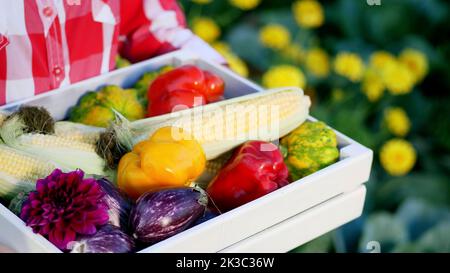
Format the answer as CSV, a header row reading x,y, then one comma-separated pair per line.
x,y
169,158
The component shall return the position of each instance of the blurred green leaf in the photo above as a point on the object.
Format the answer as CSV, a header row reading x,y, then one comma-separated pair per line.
x,y
419,216
346,238
346,14
384,229
322,244
434,189
349,121
244,41
439,128
281,16
436,239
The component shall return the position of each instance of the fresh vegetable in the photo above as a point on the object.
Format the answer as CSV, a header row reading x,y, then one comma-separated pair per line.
x,y
108,239
96,108
169,158
65,205
175,100
38,120
255,169
285,110
144,82
78,132
186,86
118,202
162,214
122,62
310,147
3,116
34,119
110,149
206,217
19,171
64,153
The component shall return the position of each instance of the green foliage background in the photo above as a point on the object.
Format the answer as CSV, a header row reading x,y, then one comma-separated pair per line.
x,y
405,214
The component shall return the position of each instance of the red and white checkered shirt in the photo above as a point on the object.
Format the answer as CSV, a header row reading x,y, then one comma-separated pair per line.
x,y
47,44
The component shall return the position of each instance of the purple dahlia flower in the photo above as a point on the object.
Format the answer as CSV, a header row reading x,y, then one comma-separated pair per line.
x,y
65,205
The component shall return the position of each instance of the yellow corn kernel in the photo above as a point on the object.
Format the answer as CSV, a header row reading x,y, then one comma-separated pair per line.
x,y
77,132
51,141
23,166
3,116
265,116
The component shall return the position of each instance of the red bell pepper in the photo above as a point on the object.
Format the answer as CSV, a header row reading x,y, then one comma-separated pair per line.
x,y
255,169
176,100
180,86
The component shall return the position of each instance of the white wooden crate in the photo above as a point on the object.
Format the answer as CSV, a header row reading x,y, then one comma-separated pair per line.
x,y
242,228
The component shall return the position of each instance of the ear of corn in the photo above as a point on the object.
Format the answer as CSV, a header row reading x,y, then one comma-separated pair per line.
x,y
19,171
3,116
77,132
266,116
66,153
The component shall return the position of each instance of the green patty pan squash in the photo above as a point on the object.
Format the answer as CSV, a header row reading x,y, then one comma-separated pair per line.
x,y
146,80
96,108
309,148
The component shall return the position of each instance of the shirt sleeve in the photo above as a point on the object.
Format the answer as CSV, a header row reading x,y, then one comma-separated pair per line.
x,y
153,27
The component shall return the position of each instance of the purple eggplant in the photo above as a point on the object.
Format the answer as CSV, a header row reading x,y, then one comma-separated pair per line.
x,y
108,239
206,217
162,214
118,202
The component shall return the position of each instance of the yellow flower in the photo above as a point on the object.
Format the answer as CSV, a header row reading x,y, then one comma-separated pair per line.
x,y
202,2
206,29
397,121
397,156
397,78
283,76
379,59
317,62
235,63
372,85
337,94
416,62
245,4
293,52
308,13
349,65
275,36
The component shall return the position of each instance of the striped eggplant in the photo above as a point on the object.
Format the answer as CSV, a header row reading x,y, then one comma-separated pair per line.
x,y
161,214
118,202
109,239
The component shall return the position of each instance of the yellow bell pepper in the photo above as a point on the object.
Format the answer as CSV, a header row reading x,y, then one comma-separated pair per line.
x,y
169,158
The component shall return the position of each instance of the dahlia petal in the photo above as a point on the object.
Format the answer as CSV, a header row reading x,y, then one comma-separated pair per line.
x,y
61,237
55,175
45,230
84,228
64,205
87,185
98,216
35,203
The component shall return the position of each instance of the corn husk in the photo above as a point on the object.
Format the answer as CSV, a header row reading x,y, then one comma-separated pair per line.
x,y
238,129
69,155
